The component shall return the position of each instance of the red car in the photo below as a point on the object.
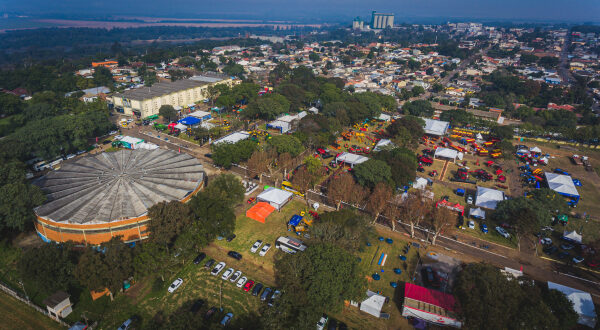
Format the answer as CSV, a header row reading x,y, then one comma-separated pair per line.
x,y
251,200
321,151
248,286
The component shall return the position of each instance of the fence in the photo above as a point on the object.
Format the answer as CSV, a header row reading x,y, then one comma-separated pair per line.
x,y
16,295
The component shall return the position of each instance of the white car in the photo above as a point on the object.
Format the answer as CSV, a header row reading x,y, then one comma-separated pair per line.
x,y
469,199
502,232
471,224
227,274
218,268
176,284
322,322
235,276
264,250
256,246
240,283
546,241
577,260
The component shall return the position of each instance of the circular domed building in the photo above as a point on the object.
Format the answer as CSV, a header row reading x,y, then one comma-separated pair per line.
x,y
94,198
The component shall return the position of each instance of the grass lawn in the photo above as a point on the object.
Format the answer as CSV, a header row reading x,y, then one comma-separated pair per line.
x,y
17,315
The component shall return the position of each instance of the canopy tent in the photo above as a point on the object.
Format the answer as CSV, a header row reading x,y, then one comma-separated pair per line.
x,y
477,213
572,236
536,150
260,211
202,115
313,110
276,197
432,306
488,198
447,153
384,117
350,159
435,127
181,126
373,304
282,126
233,138
420,183
562,184
190,121
582,303
384,143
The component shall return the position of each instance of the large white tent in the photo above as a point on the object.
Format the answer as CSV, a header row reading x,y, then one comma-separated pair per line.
x,y
572,236
488,198
477,213
435,127
350,159
276,197
582,303
373,304
233,138
448,154
562,184
383,144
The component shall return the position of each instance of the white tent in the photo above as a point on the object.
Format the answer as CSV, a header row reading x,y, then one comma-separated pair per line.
x,y
488,198
477,213
420,183
435,127
572,236
276,197
446,153
313,110
383,143
384,117
582,303
203,115
562,184
233,138
536,150
351,159
373,304
181,126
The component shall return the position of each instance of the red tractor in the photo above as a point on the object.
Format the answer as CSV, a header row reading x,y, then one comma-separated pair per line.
x,y
425,160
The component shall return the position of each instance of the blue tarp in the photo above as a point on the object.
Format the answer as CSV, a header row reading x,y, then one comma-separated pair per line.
x,y
295,220
190,121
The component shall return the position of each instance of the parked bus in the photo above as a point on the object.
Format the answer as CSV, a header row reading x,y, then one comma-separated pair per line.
x,y
289,245
286,185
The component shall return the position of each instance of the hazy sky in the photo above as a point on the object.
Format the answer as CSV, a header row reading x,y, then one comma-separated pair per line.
x,y
544,10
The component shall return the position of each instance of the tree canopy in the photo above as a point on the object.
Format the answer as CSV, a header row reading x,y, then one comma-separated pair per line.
x,y
371,172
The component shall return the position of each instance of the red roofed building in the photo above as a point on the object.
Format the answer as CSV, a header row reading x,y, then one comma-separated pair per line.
x,y
431,306
552,106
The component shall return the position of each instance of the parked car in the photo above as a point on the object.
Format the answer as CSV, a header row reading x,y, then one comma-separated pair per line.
x,y
126,325
197,305
469,199
210,313
264,250
266,294
256,246
471,224
550,250
484,228
209,263
231,237
322,322
502,232
199,258
218,268
240,283
225,321
257,289
577,259
175,285
566,246
227,274
563,255
235,276
234,255
274,297
546,241
248,285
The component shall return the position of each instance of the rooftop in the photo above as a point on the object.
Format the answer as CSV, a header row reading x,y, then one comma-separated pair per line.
x,y
118,185
160,89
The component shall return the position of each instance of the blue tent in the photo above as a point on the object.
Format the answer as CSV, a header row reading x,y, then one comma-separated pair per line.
x,y
295,220
190,121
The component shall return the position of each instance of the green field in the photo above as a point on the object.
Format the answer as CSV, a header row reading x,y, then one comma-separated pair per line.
x,y
17,315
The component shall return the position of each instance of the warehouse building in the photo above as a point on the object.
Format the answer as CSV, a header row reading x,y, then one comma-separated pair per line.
x,y
146,101
95,198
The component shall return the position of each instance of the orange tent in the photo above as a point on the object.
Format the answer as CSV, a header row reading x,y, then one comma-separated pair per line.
x,y
260,211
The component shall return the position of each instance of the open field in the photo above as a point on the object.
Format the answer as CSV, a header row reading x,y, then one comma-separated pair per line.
x,y
17,315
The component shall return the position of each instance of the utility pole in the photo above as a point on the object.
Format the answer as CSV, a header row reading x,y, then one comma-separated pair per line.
x,y
23,286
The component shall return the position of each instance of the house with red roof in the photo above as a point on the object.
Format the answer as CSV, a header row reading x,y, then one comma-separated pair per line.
x,y
431,306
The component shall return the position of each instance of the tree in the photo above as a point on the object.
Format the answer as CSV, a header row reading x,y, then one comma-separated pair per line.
x,y
371,172
402,163
284,161
212,93
340,188
168,221
458,117
168,112
304,180
440,219
226,154
314,57
415,208
437,87
50,267
344,228
393,210
419,108
286,144
313,165
260,162
227,187
502,132
213,216
17,197
407,131
151,259
103,77
378,199
417,90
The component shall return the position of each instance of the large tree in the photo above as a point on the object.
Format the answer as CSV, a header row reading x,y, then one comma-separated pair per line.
x,y
440,219
260,163
304,180
344,228
168,220
378,200
227,187
414,209
340,188
17,196
286,144
51,267
168,112
372,172
213,216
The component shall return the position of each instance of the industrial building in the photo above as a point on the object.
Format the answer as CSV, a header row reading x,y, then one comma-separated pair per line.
x,y
146,101
95,198
381,20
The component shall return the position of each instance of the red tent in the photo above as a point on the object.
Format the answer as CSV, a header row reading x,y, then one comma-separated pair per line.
x,y
260,211
430,305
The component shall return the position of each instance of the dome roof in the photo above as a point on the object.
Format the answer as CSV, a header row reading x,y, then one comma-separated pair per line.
x,y
117,185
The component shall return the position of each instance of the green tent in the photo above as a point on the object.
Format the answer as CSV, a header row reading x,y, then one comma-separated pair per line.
x,y
563,218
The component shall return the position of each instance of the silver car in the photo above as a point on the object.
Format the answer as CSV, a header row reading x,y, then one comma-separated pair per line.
x,y
227,274
218,268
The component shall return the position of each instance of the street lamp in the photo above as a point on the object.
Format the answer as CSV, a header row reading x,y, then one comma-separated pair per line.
x,y
23,286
